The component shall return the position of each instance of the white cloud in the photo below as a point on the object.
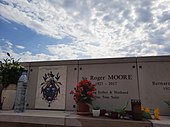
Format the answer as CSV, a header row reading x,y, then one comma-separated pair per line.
x,y
8,44
26,56
98,28
20,46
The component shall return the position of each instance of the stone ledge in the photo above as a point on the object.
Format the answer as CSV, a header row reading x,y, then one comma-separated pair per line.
x,y
34,117
86,121
163,122
64,118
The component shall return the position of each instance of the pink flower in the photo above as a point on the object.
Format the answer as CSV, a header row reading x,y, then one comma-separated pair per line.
x,y
71,92
78,85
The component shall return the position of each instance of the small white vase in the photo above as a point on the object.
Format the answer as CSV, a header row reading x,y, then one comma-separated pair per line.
x,y
96,113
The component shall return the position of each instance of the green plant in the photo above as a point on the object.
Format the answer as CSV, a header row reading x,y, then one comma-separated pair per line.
x,y
122,111
146,113
10,71
168,103
96,108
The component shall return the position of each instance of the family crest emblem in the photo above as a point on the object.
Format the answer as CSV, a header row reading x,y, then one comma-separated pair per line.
x,y
50,87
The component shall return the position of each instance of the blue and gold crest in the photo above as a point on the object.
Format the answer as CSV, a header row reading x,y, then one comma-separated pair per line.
x,y
50,88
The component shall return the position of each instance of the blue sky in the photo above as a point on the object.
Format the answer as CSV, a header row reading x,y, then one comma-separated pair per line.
x,y
36,30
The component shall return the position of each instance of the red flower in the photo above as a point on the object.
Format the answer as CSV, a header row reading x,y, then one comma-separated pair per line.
x,y
94,89
85,82
80,90
78,85
71,92
90,93
93,85
77,94
83,92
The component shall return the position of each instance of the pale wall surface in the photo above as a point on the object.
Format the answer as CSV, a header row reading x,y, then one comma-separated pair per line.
x,y
154,82
143,72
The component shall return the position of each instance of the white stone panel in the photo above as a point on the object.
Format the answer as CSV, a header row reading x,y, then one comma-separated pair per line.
x,y
59,102
154,84
116,82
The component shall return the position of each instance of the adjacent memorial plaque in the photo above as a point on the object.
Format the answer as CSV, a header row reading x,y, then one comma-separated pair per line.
x,y
51,87
116,83
154,84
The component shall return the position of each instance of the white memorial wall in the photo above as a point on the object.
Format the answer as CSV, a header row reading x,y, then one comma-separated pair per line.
x,y
117,81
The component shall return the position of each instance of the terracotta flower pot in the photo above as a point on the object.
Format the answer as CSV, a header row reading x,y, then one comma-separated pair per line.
x,y
82,107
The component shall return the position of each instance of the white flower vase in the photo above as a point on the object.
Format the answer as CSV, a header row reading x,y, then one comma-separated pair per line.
x,y
8,97
96,113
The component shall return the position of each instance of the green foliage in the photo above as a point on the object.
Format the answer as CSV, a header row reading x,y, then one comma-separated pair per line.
x,y
10,71
96,108
121,111
168,103
146,115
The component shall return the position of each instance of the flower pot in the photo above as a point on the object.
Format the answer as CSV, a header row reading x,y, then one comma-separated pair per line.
x,y
96,113
82,107
8,97
102,112
114,115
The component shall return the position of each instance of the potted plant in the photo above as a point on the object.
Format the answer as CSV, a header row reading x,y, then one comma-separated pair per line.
x,y
83,95
96,111
10,71
122,111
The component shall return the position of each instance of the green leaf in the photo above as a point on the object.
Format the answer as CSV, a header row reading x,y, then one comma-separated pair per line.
x,y
126,105
147,115
168,103
8,54
10,71
96,107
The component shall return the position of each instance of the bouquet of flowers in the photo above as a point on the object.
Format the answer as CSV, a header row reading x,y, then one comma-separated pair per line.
x,y
83,92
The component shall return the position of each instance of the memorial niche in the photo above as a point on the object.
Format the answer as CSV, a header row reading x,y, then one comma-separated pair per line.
x,y
50,88
115,82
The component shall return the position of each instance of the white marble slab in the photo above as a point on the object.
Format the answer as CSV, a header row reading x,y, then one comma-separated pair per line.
x,y
116,82
154,84
59,102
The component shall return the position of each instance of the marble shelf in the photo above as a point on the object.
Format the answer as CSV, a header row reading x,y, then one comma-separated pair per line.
x,y
45,118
